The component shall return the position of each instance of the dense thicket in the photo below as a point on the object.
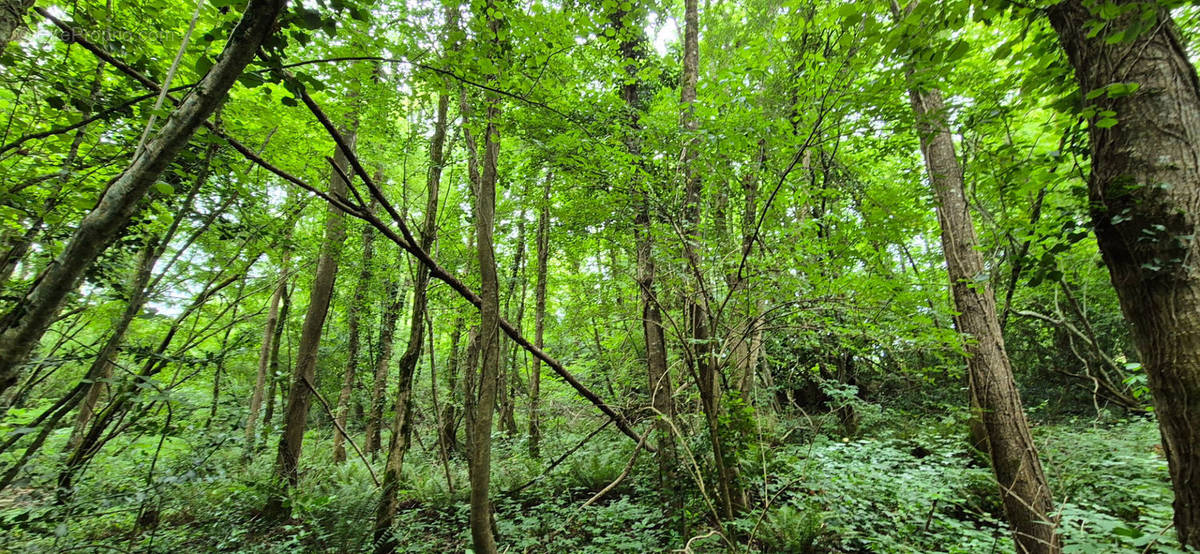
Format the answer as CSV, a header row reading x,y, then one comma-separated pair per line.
x,y
510,275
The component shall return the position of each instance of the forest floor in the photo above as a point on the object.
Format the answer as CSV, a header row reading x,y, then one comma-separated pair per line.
x,y
907,485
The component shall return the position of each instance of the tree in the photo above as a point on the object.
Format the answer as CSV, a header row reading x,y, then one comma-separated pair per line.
x,y
402,423
24,324
304,374
1142,100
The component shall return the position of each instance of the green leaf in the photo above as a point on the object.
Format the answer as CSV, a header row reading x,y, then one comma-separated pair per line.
x,y
164,188
1106,123
251,80
203,64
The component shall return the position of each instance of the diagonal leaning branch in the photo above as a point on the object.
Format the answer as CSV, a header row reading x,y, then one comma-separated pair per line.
x,y
409,243
405,240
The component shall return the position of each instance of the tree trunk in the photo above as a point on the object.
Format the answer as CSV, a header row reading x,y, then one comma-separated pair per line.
x,y
1028,504
219,367
448,419
479,443
352,349
23,326
628,27
304,375
393,306
505,391
102,364
269,351
539,316
92,441
12,17
696,309
139,290
273,372
402,423
1145,192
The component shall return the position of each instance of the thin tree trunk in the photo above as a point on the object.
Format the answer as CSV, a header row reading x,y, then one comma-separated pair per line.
x,y
92,441
17,247
23,326
352,349
273,372
139,290
505,391
539,317
299,398
696,303
448,419
479,443
1145,192
270,347
402,423
394,305
102,365
221,357
628,26
1028,504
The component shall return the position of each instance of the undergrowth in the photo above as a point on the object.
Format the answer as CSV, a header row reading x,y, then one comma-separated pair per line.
x,y
907,486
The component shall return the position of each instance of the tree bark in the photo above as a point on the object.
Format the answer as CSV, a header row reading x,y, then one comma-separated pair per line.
x,y
23,326
139,291
448,419
696,303
92,441
102,365
273,373
402,423
12,17
1145,192
299,398
1028,504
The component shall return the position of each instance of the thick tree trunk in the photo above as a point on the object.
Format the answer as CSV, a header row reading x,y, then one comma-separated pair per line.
x,y
353,317
402,423
304,375
1145,191
23,326
1028,504
539,317
12,17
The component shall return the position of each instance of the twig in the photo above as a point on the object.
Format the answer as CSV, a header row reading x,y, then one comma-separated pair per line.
x,y
341,429
625,473
560,460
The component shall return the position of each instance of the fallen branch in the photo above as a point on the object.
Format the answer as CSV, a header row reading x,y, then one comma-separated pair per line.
x,y
625,473
341,429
